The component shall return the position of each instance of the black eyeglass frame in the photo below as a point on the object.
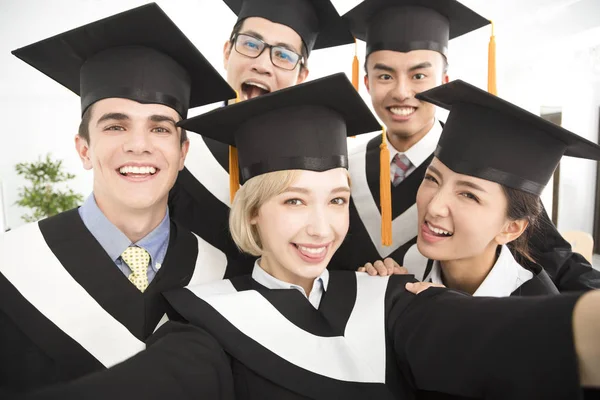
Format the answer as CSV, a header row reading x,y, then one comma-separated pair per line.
x,y
266,45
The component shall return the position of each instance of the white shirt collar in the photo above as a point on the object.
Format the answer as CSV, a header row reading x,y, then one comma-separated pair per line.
x,y
421,150
506,276
270,282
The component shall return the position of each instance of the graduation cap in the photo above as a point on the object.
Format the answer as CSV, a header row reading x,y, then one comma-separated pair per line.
x,y
406,25
492,139
316,21
301,127
139,54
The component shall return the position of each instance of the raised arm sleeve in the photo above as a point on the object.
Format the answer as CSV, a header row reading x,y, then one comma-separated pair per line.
x,y
509,348
181,362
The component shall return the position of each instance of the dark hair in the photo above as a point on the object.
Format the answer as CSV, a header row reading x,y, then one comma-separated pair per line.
x,y
445,70
84,127
237,28
522,205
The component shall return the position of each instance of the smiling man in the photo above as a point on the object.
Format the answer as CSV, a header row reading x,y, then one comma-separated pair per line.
x,y
81,291
267,50
407,50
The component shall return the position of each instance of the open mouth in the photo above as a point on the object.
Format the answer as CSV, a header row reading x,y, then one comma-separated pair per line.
x,y
251,90
402,112
435,231
311,253
131,171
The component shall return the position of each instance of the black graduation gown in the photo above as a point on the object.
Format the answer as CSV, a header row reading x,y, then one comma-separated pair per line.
x,y
360,246
568,270
539,285
372,339
66,310
196,208
182,363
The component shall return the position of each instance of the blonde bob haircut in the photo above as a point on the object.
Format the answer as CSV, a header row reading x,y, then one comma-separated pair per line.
x,y
251,196
248,200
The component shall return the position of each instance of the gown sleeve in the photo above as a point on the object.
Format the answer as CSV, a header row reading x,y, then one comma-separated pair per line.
x,y
493,348
569,271
181,362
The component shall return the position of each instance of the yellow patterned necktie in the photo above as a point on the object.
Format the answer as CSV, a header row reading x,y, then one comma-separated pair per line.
x,y
137,259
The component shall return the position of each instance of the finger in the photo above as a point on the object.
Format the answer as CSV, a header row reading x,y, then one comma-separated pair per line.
x,y
414,288
370,269
390,264
400,271
362,269
381,268
419,287
426,285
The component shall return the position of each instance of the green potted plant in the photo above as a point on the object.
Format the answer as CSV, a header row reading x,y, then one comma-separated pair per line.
x,y
42,195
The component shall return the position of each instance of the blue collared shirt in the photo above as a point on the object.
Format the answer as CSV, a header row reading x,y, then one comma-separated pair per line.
x,y
114,242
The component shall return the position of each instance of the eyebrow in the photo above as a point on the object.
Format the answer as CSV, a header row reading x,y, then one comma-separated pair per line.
x,y
341,189
297,190
162,118
383,67
113,116
422,65
472,185
261,37
253,33
434,170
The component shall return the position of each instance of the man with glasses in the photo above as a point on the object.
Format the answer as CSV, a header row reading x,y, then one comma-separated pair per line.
x,y
267,50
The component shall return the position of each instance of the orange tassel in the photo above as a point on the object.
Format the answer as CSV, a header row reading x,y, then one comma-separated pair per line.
x,y
234,172
234,168
355,67
385,191
492,88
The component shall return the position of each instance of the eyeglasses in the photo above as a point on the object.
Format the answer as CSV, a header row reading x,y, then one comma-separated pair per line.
x,y
252,47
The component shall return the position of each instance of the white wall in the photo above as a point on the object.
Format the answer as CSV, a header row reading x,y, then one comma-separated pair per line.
x,y
41,116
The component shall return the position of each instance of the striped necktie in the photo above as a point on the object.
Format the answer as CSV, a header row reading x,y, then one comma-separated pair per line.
x,y
399,167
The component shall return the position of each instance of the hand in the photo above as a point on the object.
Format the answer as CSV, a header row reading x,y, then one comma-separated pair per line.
x,y
418,287
383,268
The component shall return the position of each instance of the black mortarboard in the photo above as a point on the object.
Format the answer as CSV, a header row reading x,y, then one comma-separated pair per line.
x,y
300,127
139,54
406,25
492,139
316,21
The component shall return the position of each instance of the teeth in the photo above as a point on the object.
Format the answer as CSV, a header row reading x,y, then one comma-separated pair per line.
x,y
403,111
137,170
312,250
258,85
438,231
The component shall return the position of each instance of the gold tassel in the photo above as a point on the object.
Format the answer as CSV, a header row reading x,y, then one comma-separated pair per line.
x,y
234,168
385,191
234,172
492,88
355,67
